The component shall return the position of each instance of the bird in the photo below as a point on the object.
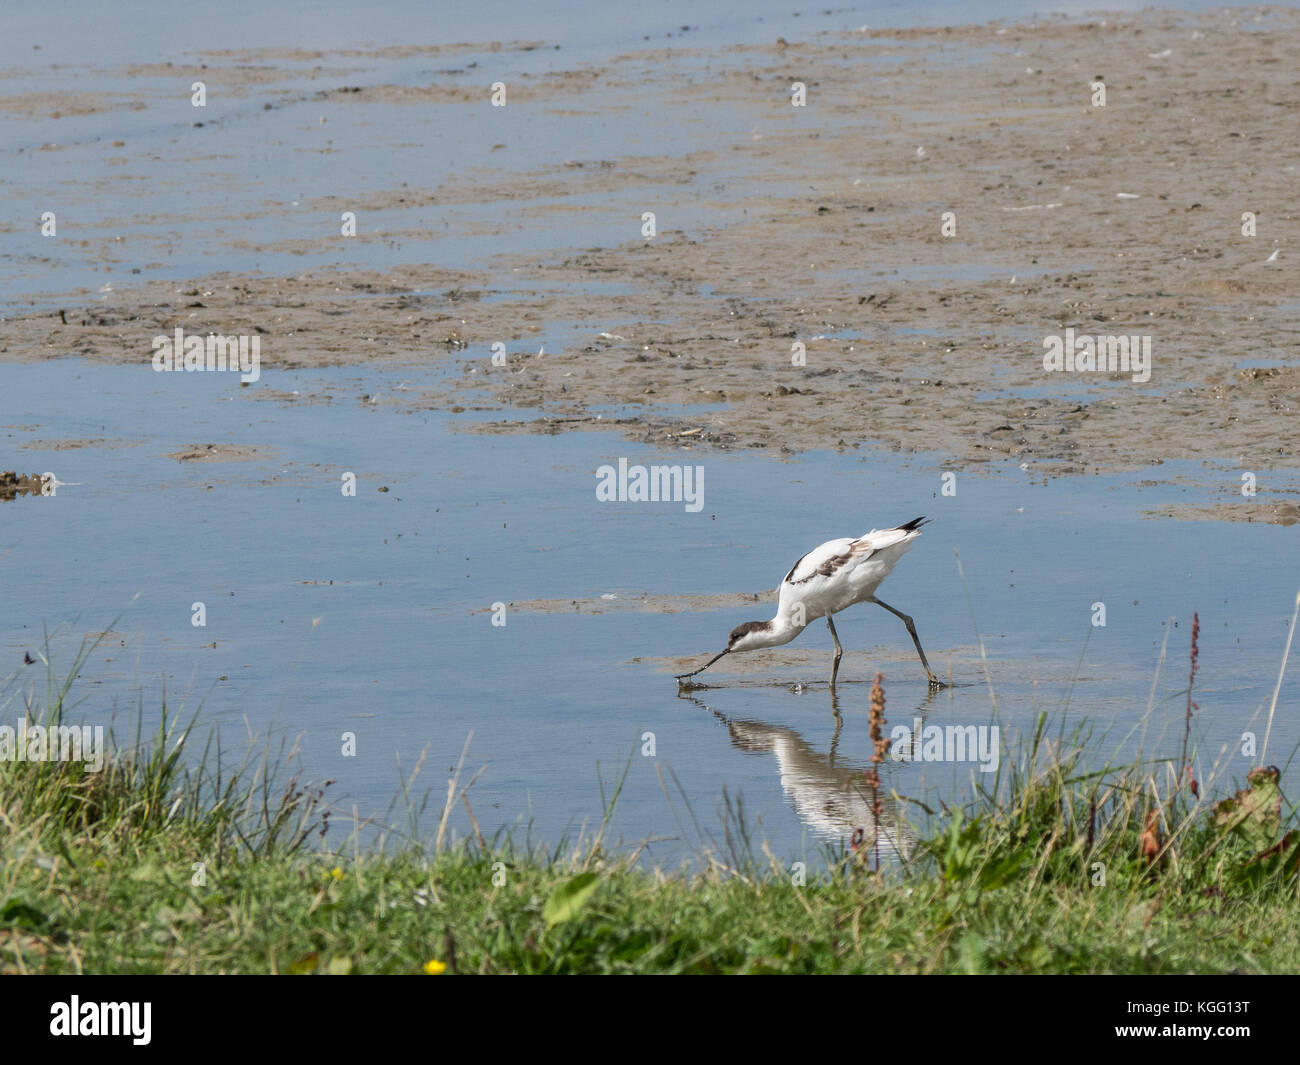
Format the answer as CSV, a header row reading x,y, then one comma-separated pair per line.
x,y
826,580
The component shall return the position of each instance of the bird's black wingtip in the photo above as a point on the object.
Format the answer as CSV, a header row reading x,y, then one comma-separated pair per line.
x,y
915,523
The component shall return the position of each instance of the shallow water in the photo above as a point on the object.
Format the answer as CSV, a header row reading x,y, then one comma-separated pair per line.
x,y
373,615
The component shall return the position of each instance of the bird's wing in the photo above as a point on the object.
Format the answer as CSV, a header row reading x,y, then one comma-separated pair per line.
x,y
824,561
879,539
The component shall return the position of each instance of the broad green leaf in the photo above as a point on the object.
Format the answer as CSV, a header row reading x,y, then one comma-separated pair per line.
x,y
568,899
1280,860
1255,812
995,874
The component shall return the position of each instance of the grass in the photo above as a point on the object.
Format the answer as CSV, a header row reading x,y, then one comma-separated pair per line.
x,y
164,863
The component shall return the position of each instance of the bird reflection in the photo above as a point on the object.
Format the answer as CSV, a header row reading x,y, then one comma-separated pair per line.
x,y
833,800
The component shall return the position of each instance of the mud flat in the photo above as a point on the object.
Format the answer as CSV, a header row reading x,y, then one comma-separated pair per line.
x,y
798,291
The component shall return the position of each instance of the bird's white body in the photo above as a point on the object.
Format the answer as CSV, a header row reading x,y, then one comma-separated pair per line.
x,y
828,579
856,569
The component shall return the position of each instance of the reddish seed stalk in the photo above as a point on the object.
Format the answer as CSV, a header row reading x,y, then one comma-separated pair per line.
x,y
880,748
1187,727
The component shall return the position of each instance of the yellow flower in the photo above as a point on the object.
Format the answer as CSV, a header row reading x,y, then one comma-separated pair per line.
x,y
435,968
336,873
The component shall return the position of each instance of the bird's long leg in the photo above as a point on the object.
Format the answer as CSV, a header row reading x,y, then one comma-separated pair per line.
x,y
839,651
839,724
935,682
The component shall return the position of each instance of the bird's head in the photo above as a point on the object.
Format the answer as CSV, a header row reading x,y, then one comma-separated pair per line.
x,y
746,637
749,636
